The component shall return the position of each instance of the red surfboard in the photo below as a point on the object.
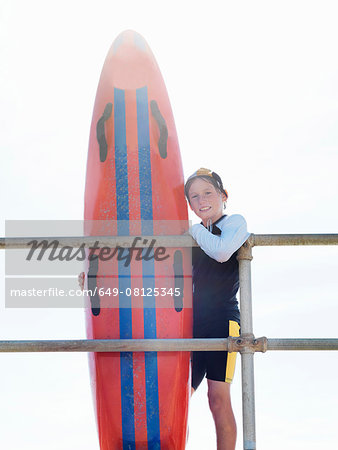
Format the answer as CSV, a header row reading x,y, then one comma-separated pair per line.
x,y
135,186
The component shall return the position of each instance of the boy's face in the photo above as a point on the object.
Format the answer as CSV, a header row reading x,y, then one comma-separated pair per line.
x,y
205,200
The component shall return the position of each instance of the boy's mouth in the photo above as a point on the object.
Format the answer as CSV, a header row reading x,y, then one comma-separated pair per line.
x,y
205,208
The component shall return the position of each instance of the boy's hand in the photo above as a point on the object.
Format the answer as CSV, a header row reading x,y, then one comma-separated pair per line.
x,y
81,280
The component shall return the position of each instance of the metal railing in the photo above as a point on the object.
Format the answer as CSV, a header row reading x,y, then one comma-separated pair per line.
x,y
246,344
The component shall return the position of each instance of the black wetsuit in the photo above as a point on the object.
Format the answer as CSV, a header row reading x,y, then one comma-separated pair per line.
x,y
216,312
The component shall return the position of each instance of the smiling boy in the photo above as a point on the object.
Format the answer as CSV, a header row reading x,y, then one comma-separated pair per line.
x,y
215,285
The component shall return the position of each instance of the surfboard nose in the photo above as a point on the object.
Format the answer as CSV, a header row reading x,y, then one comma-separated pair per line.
x,y
131,39
127,54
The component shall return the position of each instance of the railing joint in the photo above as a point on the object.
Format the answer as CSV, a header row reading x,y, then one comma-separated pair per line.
x,y
247,344
245,252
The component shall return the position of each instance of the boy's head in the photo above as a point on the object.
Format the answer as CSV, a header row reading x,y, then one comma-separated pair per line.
x,y
207,175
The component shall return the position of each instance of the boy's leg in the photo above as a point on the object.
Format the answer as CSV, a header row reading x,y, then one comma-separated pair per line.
x,y
220,372
220,406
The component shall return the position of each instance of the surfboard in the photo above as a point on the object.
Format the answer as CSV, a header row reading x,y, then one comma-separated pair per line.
x,y
135,186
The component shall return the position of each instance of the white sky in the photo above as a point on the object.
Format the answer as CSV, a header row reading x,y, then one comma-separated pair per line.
x,y
254,90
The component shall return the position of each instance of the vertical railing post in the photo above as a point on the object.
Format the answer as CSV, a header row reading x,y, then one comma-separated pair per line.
x,y
247,355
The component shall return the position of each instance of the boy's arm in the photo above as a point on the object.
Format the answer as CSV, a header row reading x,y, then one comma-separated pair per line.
x,y
233,235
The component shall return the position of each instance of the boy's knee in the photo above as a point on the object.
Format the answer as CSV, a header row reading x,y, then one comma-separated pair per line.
x,y
216,401
219,398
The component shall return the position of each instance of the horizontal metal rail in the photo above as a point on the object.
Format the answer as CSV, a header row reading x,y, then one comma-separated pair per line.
x,y
232,344
254,240
302,344
114,345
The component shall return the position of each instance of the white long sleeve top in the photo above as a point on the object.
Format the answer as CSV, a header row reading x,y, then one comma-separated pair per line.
x,y
233,235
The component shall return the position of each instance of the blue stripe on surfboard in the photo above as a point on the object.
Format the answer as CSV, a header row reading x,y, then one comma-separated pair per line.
x,y
121,162
122,204
151,372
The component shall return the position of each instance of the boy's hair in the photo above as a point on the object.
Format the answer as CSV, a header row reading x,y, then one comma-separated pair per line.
x,y
207,175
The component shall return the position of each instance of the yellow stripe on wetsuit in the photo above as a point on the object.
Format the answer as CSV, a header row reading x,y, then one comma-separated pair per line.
x,y
231,359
